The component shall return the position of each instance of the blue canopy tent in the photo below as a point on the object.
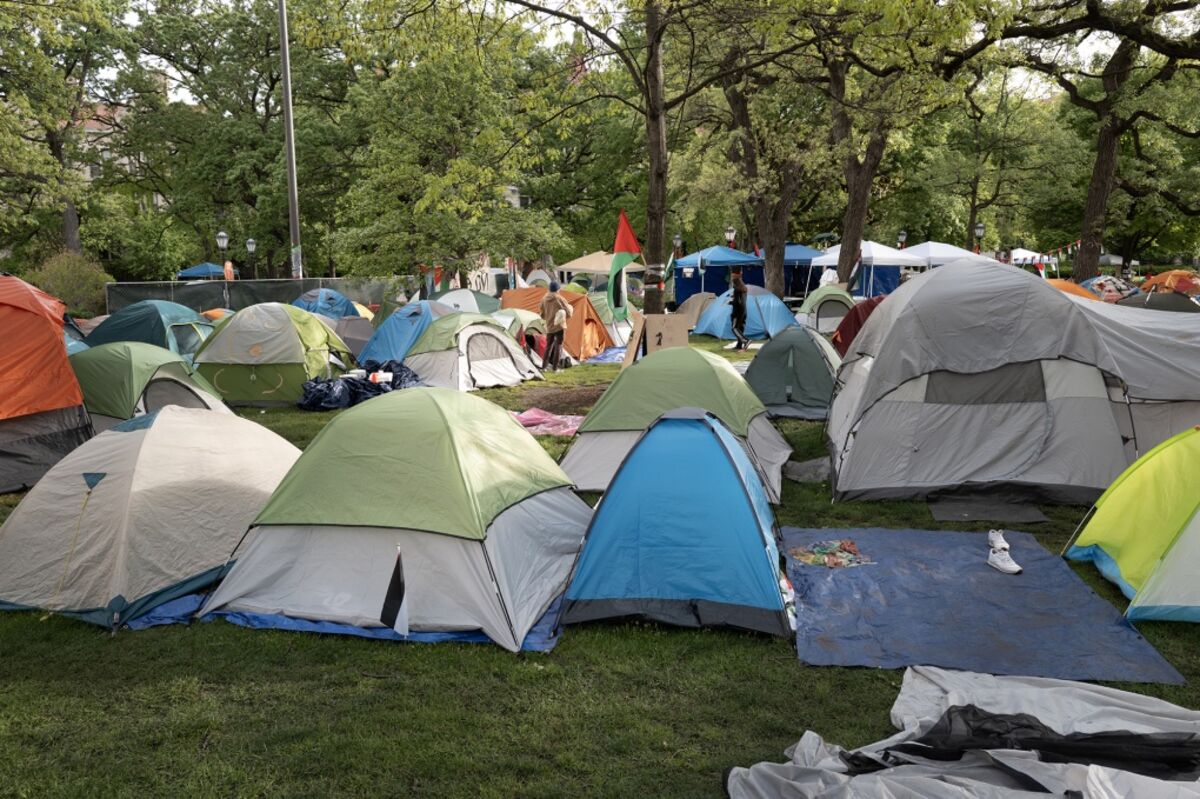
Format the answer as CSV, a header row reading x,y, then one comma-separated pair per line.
x,y
696,550
392,340
715,263
326,302
766,315
799,275
204,271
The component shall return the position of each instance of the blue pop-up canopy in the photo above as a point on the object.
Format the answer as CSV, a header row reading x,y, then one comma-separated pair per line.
x,y
719,256
799,255
204,271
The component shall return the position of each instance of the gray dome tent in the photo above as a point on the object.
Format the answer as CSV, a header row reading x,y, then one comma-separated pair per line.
x,y
793,374
986,376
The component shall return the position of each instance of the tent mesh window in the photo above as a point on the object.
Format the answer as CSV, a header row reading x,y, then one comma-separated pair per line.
x,y
1014,382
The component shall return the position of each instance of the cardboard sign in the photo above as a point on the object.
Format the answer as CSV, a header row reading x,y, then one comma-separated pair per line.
x,y
654,332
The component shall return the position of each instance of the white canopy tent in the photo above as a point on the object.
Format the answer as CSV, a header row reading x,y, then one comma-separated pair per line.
x,y
873,254
1022,256
936,253
594,263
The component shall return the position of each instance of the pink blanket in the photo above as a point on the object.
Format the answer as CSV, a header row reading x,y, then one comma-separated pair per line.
x,y
544,423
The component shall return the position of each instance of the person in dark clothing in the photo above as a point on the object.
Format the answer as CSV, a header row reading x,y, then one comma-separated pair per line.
x,y
555,312
738,315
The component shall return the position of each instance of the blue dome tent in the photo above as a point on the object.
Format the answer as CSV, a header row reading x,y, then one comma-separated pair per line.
x,y
326,302
766,315
392,340
695,550
159,322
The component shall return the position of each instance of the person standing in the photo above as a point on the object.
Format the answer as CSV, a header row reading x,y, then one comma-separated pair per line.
x,y
555,313
738,315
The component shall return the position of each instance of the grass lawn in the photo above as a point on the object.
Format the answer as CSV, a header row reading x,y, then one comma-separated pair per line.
x,y
616,710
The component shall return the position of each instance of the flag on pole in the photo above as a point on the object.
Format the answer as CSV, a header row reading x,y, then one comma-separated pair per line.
x,y
625,251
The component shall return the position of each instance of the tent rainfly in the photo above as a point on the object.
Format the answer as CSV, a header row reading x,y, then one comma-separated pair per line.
x,y
586,334
824,309
793,374
766,315
465,351
159,322
697,551
435,501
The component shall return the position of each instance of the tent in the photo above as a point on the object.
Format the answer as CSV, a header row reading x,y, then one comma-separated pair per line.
x,y
263,354
708,270
129,378
1024,257
326,302
678,377
843,337
517,319
464,351
539,278
697,551
1175,301
1143,533
766,315
204,271
157,322
586,333
396,335
144,513
73,337
825,308
984,377
440,492
878,269
1069,287
467,300
618,330
364,312
88,325
356,331
594,263
694,306
793,374
800,276
41,407
936,253
1183,280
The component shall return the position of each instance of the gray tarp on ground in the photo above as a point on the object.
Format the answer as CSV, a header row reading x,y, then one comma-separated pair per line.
x,y
817,769
969,318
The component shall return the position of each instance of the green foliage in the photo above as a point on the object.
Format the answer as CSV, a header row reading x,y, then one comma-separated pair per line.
x,y
75,279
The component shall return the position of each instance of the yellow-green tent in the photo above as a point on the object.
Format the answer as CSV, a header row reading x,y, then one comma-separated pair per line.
x,y
1144,532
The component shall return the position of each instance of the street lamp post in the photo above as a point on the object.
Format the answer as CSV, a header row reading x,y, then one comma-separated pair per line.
x,y
978,235
902,237
289,144
730,236
677,240
251,246
222,243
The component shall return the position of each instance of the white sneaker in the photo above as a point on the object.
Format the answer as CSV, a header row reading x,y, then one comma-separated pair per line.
x,y
1001,561
996,540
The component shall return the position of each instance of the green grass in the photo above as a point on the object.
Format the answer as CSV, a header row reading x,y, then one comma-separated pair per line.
x,y
616,710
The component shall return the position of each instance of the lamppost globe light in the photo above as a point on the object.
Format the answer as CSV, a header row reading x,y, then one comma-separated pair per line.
x,y
677,240
730,234
251,244
979,230
902,237
222,240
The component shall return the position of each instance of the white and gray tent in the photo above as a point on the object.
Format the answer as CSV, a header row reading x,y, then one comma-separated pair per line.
x,y
139,515
982,377
434,502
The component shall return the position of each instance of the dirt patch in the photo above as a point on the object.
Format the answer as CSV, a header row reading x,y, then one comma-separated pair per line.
x,y
574,399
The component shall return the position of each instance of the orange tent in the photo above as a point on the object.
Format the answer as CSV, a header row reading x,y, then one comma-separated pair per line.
x,y
41,407
1067,287
1182,280
586,334
35,375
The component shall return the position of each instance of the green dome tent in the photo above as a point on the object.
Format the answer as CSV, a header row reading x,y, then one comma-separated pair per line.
x,y
263,354
825,308
439,491
467,300
159,322
128,378
465,351
794,374
1144,532
678,377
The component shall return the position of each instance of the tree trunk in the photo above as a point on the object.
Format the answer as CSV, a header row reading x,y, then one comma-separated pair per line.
x,y
656,146
1091,236
71,227
860,177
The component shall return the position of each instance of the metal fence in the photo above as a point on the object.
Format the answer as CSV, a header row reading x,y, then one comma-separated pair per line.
x,y
201,295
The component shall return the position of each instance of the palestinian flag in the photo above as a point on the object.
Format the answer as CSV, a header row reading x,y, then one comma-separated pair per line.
x,y
625,251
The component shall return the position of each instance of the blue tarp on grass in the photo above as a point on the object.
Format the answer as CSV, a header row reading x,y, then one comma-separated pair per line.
x,y
929,598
